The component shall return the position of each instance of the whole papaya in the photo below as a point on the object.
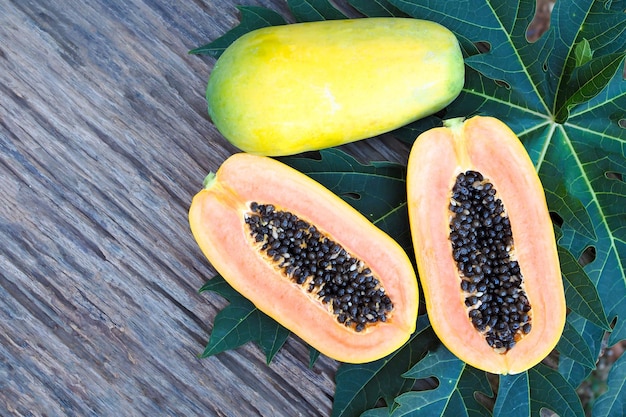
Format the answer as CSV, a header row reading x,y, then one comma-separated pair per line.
x,y
288,89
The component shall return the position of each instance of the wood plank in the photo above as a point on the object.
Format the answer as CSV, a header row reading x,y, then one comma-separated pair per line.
x,y
104,140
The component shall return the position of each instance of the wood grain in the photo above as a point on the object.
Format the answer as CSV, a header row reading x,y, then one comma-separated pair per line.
x,y
104,138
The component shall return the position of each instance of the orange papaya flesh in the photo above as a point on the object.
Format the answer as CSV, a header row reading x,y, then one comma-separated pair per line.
x,y
501,315
262,224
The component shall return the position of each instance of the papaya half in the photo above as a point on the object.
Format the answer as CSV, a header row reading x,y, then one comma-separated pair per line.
x,y
306,258
485,245
287,89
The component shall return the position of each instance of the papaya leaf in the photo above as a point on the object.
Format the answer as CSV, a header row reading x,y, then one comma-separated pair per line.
x,y
241,322
472,382
575,372
587,81
569,208
377,8
314,10
562,64
583,52
252,17
313,355
580,293
525,394
613,402
607,35
513,396
336,160
548,389
591,327
445,398
461,401
360,386
574,347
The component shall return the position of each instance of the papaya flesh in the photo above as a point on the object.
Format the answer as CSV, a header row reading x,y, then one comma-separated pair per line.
x,y
306,258
307,86
485,245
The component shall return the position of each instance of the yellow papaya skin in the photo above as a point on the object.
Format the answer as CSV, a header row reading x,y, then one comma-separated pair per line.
x,y
287,89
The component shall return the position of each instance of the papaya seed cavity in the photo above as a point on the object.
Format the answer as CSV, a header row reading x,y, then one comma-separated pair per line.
x,y
319,266
483,250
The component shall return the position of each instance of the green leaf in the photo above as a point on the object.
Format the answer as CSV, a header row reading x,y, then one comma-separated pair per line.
x,y
586,82
444,366
601,26
252,18
314,10
603,196
573,345
360,386
473,382
548,389
241,322
583,52
575,372
513,396
540,387
561,200
377,8
613,402
572,22
580,293
313,355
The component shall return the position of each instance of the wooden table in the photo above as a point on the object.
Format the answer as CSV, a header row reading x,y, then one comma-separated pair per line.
x,y
105,138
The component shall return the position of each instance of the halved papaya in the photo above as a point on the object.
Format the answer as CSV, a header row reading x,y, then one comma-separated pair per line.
x,y
485,245
287,89
306,258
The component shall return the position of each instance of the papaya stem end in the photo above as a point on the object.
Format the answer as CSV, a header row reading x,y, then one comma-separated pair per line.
x,y
454,122
209,180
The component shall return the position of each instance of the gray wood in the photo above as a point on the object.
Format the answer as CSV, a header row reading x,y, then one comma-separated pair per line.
x,y
104,139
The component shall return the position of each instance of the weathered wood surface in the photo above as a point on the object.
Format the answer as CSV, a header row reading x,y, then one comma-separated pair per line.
x,y
104,139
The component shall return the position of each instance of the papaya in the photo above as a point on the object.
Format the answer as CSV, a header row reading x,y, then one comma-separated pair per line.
x,y
484,245
306,258
287,89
